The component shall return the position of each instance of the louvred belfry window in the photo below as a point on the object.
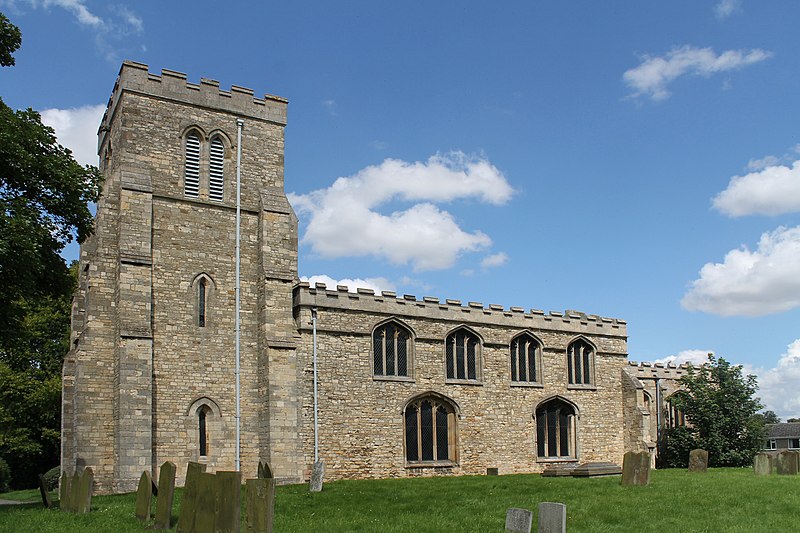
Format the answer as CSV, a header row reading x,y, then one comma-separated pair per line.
x,y
216,167
191,175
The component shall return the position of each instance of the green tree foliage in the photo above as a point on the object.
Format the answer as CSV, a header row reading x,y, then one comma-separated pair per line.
x,y
44,197
769,417
722,414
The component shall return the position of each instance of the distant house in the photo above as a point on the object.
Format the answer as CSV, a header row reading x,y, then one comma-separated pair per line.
x,y
784,436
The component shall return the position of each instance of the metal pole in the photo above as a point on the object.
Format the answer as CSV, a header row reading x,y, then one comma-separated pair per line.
x,y
316,403
240,125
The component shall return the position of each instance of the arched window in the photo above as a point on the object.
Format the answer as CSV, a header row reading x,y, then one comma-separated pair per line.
x,y
463,355
675,416
216,167
201,302
555,430
526,359
430,431
391,350
203,287
202,427
191,174
580,362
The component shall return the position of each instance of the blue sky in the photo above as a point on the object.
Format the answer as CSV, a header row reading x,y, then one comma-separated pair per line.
x,y
632,159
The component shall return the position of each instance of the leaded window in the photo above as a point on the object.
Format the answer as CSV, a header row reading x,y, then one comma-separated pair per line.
x,y
580,362
430,431
555,430
216,167
462,355
391,346
191,175
525,359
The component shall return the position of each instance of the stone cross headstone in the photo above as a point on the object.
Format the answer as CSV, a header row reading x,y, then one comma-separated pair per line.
x,y
43,491
518,520
264,470
553,517
260,506
229,502
317,473
762,464
189,501
166,492
64,492
144,494
787,463
205,512
636,468
698,461
82,502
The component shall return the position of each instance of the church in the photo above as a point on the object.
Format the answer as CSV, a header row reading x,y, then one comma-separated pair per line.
x,y
374,385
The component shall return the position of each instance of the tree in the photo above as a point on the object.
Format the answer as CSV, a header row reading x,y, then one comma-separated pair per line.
x,y
44,197
722,414
769,417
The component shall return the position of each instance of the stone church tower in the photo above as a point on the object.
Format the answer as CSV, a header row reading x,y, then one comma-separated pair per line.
x,y
151,373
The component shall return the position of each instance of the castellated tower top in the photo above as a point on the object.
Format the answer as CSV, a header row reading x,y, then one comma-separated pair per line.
x,y
172,85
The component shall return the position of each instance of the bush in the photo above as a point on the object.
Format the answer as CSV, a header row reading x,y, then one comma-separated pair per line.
x,y
679,442
5,476
51,477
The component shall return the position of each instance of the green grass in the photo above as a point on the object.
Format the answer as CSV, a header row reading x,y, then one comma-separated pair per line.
x,y
721,500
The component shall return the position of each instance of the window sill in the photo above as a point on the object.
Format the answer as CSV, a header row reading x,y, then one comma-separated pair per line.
x,y
556,460
463,382
527,384
582,387
432,464
404,379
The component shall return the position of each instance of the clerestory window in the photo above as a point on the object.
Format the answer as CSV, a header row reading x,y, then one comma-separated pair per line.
x,y
463,356
526,357
580,362
430,432
391,350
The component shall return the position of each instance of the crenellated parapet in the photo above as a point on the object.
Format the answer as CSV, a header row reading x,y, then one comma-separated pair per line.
x,y
646,370
173,85
390,304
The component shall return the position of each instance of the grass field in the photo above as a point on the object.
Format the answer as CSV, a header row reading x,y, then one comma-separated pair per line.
x,y
721,500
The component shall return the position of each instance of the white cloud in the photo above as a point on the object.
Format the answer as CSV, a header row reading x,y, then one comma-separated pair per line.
x,y
764,162
726,8
494,260
653,75
751,283
696,357
779,387
344,220
376,284
76,129
773,190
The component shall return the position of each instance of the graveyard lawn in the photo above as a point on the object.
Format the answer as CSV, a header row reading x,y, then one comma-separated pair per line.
x,y
676,500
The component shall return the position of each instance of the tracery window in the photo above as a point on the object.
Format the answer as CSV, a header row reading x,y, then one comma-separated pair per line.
x,y
430,431
463,355
580,362
555,430
525,359
675,415
191,174
391,350
216,167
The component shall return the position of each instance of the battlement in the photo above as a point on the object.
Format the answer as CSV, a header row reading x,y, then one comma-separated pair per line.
x,y
172,85
388,303
646,370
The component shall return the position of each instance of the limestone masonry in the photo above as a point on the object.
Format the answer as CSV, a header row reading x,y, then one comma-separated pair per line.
x,y
406,386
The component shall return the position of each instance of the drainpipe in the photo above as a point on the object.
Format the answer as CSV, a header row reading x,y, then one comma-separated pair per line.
x,y
239,126
316,401
659,437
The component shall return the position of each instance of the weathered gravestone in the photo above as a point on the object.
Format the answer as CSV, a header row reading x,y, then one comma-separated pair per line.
x,y
205,513
260,496
144,494
82,499
64,492
264,470
44,493
636,468
698,461
787,463
553,517
166,492
518,520
189,501
763,464
229,502
73,491
317,473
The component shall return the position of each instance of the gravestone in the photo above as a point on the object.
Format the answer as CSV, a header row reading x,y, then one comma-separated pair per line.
x,y
763,464
74,489
166,492
264,470
317,473
229,502
260,506
205,513
64,492
787,463
143,496
698,461
82,502
636,468
519,520
492,472
553,517
43,491
189,501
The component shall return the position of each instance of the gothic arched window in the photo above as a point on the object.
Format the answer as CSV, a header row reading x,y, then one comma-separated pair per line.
x,y
392,349
580,362
555,430
191,173
463,355
430,431
216,168
526,358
